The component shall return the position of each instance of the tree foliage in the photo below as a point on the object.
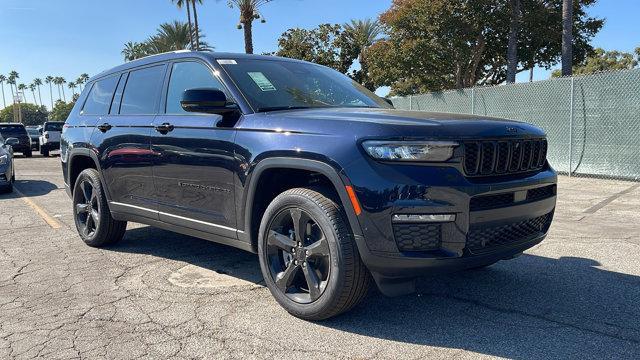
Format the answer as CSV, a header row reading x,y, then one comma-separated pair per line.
x,y
602,60
445,44
61,110
31,114
168,37
336,46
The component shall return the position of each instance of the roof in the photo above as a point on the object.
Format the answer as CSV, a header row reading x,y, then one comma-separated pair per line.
x,y
205,55
11,123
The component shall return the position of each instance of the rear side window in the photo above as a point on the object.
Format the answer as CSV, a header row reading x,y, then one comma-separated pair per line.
x,y
142,91
12,130
53,126
99,99
188,75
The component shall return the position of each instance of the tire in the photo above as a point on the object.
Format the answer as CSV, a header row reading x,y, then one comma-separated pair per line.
x,y
44,151
343,280
91,212
28,154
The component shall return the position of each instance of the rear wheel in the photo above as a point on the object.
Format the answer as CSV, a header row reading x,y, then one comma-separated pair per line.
x,y
91,213
44,151
28,153
308,258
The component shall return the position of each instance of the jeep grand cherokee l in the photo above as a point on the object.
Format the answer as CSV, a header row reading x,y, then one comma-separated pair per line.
x,y
325,181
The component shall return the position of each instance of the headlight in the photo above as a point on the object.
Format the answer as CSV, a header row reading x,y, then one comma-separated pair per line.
x,y
4,159
435,151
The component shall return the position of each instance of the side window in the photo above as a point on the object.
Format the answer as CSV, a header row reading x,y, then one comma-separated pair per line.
x,y
142,91
188,75
99,98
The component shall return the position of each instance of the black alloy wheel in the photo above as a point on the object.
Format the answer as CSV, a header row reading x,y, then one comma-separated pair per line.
x,y
87,208
91,213
308,257
298,255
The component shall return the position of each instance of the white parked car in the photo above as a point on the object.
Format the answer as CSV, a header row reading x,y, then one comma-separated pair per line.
x,y
50,138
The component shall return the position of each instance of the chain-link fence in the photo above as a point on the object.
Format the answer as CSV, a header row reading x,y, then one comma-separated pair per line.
x,y
592,122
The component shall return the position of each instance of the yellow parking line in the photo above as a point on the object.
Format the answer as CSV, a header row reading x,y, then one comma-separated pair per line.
x,y
43,214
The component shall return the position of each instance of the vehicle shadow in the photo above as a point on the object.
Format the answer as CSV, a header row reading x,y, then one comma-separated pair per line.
x,y
34,187
202,253
530,307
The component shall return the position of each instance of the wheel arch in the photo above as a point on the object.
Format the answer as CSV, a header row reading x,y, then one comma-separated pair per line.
x,y
337,181
79,160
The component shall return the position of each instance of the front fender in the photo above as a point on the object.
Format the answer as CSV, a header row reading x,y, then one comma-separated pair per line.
x,y
335,175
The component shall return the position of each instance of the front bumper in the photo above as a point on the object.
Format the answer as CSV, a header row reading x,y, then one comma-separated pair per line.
x,y
22,148
482,233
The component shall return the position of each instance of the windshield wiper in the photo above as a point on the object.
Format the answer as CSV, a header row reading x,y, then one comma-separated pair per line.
x,y
276,108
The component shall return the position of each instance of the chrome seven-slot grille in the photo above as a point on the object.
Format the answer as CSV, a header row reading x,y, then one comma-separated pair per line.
x,y
503,157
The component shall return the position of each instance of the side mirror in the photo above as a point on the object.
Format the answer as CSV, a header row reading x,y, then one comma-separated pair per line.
x,y
12,142
210,101
388,101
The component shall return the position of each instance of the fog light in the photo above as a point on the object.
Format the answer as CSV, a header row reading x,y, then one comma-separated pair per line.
x,y
411,218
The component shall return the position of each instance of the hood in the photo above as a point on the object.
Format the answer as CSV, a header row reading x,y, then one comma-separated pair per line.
x,y
400,123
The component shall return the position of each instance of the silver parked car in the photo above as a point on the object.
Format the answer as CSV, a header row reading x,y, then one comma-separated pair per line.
x,y
7,170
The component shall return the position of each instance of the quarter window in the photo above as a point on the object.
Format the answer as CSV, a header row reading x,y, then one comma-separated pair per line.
x,y
142,91
188,75
99,98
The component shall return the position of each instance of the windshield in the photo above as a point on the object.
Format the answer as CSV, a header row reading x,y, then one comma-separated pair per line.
x,y
8,131
276,85
53,126
33,132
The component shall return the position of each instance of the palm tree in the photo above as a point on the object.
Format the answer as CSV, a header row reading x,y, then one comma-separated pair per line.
x,y
32,87
49,80
38,82
62,81
134,50
72,86
248,13
361,34
512,49
14,76
21,88
169,37
82,79
11,81
180,4
567,37
2,81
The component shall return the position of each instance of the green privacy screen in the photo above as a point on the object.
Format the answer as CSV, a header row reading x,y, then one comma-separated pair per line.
x,y
592,122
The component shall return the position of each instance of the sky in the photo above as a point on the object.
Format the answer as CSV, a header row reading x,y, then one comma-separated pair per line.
x,y
70,37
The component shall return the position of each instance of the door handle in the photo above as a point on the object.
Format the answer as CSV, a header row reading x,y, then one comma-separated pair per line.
x,y
104,127
164,128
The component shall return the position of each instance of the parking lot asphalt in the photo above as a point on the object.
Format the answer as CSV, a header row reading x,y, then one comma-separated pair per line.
x,y
158,294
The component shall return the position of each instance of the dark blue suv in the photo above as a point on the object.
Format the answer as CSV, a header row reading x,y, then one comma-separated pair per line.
x,y
330,185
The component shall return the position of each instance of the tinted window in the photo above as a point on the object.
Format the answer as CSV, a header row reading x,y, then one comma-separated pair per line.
x,y
8,131
99,99
142,90
33,132
276,84
53,126
184,76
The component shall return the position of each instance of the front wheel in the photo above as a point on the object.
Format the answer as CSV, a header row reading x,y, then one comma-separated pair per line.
x,y
28,154
44,151
308,258
91,213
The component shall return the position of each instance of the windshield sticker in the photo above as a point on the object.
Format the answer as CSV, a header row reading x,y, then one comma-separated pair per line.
x,y
227,62
263,83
